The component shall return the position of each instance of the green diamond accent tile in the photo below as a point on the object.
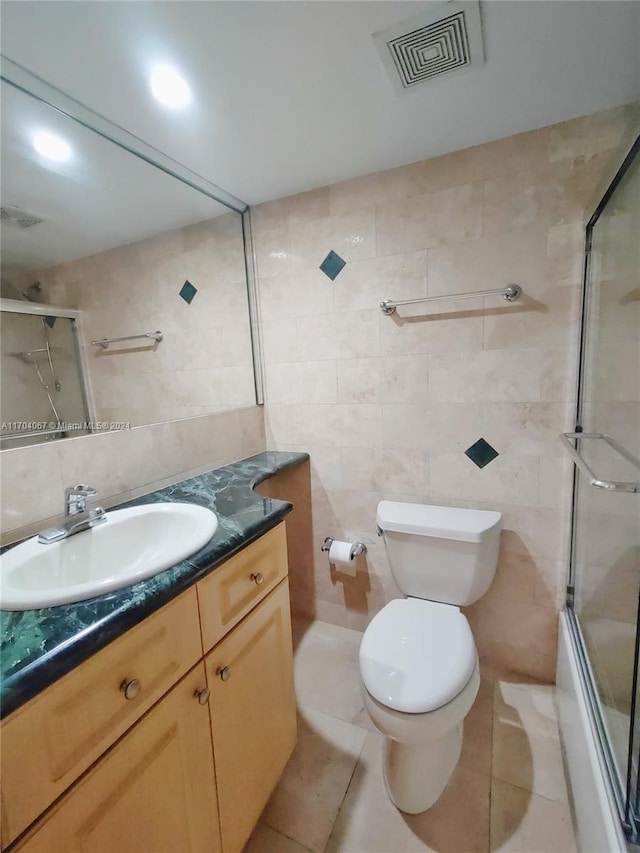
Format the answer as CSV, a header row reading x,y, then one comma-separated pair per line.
x,y
481,453
332,265
187,292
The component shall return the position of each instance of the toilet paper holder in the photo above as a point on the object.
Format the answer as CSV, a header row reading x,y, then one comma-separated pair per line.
x,y
357,549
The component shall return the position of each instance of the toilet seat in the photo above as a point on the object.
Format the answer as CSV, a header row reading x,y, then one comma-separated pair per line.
x,y
417,655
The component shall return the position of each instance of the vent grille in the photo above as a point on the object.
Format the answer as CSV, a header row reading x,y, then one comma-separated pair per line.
x,y
449,39
19,217
431,50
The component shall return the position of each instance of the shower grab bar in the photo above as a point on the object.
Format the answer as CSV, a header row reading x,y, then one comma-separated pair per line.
x,y
609,485
104,342
511,293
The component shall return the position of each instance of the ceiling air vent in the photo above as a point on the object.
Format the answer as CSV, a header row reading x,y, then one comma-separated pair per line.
x,y
445,39
19,217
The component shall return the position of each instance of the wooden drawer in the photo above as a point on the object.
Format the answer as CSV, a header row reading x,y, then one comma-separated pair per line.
x,y
50,741
231,591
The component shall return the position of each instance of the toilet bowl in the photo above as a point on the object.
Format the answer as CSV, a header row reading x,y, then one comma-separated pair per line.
x,y
418,661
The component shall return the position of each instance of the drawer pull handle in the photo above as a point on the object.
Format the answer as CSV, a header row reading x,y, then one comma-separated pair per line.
x,y
224,672
130,688
202,695
257,578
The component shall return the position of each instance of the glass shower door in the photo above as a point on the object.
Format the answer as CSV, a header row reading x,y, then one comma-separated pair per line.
x,y
606,520
42,388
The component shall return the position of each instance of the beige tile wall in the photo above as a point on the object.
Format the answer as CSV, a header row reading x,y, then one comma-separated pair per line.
x,y
204,363
121,465
387,405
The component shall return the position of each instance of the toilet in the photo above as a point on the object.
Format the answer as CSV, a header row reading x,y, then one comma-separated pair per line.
x,y
418,660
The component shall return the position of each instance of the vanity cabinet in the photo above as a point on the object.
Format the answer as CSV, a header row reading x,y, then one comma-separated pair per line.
x,y
154,791
138,747
50,741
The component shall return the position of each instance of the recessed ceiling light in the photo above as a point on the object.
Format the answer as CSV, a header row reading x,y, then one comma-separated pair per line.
x,y
168,87
51,146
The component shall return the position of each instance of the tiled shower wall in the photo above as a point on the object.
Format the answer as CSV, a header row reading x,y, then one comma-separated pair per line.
x,y
387,405
204,363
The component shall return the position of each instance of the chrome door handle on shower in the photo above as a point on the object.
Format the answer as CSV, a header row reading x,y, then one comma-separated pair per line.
x,y
594,480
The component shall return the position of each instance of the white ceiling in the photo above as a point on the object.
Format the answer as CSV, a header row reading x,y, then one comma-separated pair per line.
x,y
292,95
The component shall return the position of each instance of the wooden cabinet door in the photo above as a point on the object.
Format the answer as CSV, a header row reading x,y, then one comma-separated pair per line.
x,y
153,792
52,740
253,714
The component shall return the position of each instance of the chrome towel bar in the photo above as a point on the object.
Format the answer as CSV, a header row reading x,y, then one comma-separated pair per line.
x,y
511,293
609,485
104,342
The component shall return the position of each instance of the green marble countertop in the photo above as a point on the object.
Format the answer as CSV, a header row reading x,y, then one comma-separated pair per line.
x,y
37,647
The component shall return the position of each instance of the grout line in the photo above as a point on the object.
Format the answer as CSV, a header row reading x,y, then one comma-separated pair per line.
x,y
279,832
301,705
527,687
289,838
529,791
491,741
490,812
347,789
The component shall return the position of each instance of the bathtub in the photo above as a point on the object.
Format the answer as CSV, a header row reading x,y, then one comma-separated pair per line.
x,y
596,820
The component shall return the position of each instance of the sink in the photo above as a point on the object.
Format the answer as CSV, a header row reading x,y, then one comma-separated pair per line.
x,y
133,544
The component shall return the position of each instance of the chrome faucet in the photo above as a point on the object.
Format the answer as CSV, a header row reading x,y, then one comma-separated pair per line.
x,y
76,516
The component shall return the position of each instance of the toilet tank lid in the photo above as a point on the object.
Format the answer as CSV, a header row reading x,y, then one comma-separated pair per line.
x,y
442,522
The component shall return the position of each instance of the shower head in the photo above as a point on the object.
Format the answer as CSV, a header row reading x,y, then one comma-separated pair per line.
x,y
33,293
25,357
28,356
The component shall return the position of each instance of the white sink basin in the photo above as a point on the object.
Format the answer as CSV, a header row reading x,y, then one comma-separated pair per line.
x,y
133,544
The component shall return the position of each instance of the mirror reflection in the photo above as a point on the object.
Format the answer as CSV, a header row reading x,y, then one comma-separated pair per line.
x,y
42,379
128,252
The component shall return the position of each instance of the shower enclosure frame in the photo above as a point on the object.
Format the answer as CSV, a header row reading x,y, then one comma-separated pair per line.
x,y
620,792
38,309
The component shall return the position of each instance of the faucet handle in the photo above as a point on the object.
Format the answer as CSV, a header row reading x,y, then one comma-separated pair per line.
x,y
81,491
75,498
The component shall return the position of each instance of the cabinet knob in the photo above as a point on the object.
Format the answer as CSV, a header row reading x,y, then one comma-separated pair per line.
x,y
224,672
203,695
257,577
130,687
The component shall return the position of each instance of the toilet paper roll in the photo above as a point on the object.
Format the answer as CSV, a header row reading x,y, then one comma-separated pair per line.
x,y
341,554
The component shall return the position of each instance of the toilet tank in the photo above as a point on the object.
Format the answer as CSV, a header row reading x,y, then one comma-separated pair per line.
x,y
440,553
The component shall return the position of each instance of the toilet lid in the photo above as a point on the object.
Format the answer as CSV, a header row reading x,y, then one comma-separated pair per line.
x,y
417,655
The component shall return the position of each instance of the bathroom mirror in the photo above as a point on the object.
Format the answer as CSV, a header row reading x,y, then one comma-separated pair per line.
x,y
129,252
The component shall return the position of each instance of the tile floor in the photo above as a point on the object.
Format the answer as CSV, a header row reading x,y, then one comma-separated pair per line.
x,y
508,792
